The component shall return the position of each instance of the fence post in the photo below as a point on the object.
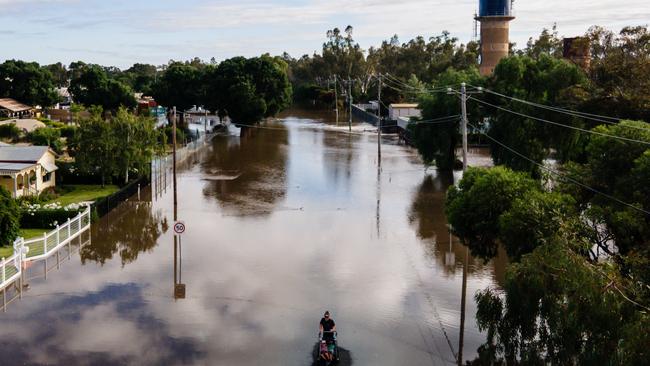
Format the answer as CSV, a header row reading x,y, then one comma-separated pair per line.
x,y
44,242
3,271
69,228
20,268
58,237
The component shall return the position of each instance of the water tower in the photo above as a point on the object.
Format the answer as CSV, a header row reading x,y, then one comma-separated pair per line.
x,y
495,17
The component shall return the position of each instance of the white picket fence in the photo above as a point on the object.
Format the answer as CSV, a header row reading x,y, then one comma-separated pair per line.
x,y
41,248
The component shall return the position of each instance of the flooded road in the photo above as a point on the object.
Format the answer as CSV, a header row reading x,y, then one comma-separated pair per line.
x,y
283,223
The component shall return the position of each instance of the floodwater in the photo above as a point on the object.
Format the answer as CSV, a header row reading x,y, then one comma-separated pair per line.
x,y
283,223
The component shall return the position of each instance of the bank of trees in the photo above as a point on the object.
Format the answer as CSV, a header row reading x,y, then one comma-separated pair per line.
x,y
576,228
246,90
312,76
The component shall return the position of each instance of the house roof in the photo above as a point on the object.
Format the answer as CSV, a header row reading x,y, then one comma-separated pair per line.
x,y
13,105
49,166
22,154
14,167
404,105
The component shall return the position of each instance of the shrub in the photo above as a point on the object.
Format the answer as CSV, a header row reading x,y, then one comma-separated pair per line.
x,y
46,137
9,218
9,131
47,216
68,131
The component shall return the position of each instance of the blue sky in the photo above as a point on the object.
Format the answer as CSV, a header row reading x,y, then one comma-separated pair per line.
x,y
120,32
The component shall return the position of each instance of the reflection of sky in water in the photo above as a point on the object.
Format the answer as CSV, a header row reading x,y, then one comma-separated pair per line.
x,y
259,277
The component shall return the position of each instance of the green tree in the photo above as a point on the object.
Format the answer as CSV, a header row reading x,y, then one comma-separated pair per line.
x,y
619,169
544,80
269,75
93,86
247,90
141,77
28,83
9,218
95,148
137,142
180,86
532,219
46,137
619,71
437,142
474,208
59,74
558,308
548,43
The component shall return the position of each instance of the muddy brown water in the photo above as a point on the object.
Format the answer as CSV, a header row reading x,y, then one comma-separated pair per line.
x,y
283,223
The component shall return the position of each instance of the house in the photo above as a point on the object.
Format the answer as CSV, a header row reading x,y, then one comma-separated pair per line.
x,y
25,125
27,170
199,119
403,110
12,108
65,98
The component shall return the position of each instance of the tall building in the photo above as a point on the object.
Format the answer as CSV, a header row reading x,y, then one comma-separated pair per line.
x,y
578,51
495,17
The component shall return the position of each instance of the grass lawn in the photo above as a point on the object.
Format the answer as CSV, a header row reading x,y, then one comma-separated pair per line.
x,y
33,233
6,252
82,193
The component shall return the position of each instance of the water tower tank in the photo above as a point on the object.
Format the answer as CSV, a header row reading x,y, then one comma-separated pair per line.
x,y
495,8
495,16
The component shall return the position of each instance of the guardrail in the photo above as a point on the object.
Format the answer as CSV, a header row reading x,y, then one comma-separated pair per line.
x,y
41,248
11,267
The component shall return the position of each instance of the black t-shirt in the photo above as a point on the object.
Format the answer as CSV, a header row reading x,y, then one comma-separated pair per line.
x,y
327,324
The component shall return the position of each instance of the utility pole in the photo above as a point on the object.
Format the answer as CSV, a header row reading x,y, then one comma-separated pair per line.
x,y
379,121
464,96
463,99
350,102
463,104
174,160
336,101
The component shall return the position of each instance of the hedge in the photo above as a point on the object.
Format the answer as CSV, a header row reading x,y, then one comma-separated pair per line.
x,y
44,219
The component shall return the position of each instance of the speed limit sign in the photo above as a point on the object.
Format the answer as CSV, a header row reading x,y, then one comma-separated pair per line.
x,y
179,227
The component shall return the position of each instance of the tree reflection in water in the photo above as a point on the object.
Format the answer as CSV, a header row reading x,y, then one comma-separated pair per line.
x,y
130,229
248,174
427,216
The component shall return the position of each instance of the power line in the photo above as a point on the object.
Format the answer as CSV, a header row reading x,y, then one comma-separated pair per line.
x,y
584,115
552,171
412,89
562,125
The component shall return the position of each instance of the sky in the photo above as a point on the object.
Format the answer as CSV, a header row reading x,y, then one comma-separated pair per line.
x,y
123,32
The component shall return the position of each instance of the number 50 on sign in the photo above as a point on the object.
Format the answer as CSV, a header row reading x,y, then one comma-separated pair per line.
x,y
179,227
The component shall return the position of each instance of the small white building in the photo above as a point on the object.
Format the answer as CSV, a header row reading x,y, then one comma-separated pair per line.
x,y
403,110
27,170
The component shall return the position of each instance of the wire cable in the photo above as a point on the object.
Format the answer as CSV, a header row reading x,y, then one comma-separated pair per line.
x,y
409,88
554,172
588,116
397,81
560,124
